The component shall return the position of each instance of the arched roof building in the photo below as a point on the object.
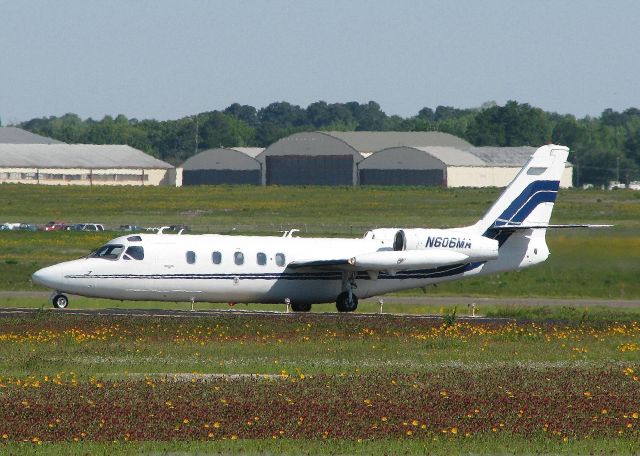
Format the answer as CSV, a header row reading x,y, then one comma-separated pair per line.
x,y
332,157
448,166
223,166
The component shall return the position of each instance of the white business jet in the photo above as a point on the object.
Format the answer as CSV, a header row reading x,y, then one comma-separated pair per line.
x,y
301,271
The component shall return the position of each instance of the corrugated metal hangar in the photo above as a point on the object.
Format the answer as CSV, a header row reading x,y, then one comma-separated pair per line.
x,y
332,157
311,158
81,164
223,166
14,135
448,166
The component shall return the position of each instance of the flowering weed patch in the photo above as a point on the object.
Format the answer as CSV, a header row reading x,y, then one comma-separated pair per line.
x,y
315,378
456,403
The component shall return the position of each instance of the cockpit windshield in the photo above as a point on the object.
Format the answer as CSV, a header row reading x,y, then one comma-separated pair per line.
x,y
108,252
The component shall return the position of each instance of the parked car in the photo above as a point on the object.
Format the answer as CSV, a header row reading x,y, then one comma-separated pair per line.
x,y
180,228
86,227
75,227
28,227
55,226
92,227
10,226
131,228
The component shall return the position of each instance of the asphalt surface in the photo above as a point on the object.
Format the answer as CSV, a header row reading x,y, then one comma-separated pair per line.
x,y
9,312
427,300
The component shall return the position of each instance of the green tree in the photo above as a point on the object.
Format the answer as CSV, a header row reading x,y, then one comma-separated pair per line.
x,y
513,124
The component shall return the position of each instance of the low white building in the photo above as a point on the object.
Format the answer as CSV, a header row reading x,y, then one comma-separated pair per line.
x,y
82,164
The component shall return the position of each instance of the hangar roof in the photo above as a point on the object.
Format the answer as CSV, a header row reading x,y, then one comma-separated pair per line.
x,y
405,157
250,151
221,158
503,156
76,156
371,141
451,156
14,135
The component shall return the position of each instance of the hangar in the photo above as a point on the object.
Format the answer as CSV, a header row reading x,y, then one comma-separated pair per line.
x,y
223,166
82,164
332,157
15,135
448,166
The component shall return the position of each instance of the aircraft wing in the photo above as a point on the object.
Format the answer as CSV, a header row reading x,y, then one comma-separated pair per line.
x,y
322,264
388,260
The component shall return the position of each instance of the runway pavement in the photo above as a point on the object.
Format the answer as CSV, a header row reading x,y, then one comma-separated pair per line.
x,y
427,299
7,312
462,301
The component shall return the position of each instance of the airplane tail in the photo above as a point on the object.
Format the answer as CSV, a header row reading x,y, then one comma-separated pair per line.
x,y
519,218
528,200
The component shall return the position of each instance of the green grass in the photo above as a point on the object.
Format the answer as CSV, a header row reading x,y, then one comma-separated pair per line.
x,y
504,444
267,344
325,210
543,363
387,385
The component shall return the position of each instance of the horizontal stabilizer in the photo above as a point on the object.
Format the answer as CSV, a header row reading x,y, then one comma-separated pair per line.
x,y
514,227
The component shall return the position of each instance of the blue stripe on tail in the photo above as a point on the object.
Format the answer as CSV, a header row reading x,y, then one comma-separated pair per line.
x,y
538,192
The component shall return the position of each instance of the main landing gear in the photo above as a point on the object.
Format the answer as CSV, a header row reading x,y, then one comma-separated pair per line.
x,y
59,301
347,301
300,307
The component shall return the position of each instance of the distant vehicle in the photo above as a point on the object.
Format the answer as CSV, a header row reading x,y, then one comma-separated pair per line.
x,y
301,271
179,228
86,227
55,226
130,228
75,227
28,227
93,227
10,226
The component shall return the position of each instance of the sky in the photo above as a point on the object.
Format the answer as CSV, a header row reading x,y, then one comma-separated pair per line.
x,y
166,59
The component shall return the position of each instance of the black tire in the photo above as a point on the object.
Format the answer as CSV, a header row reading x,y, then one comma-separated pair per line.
x,y
343,304
60,301
300,307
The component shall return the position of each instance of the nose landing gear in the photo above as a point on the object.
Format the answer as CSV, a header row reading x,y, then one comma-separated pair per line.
x,y
59,301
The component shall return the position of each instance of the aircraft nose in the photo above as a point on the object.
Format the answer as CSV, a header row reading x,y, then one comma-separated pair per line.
x,y
49,277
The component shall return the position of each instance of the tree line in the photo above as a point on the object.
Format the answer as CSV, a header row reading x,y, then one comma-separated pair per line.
x,y
603,148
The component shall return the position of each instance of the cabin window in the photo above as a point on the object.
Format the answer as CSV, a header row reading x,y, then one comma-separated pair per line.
x,y
191,257
108,252
216,257
280,260
261,258
134,252
238,258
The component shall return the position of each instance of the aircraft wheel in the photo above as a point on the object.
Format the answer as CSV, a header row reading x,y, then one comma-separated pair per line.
x,y
60,301
344,305
300,307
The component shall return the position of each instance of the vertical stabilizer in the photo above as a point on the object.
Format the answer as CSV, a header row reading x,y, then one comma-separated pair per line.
x,y
529,198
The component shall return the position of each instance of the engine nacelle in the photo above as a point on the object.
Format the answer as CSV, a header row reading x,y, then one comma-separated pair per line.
x,y
474,247
398,239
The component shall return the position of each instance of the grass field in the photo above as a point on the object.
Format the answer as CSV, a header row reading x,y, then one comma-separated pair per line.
x,y
566,381
317,384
